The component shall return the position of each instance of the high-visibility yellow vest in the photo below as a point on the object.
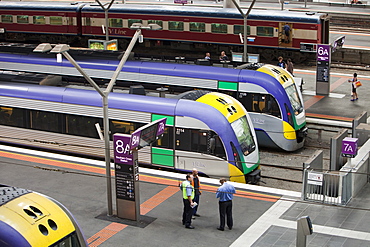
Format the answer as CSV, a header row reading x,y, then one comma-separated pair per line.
x,y
184,194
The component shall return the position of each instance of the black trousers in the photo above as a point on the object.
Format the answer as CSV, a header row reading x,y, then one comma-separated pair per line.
x,y
187,213
226,209
196,199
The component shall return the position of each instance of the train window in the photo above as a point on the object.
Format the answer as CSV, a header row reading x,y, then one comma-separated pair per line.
x,y
218,28
166,141
199,141
47,121
261,103
122,127
39,20
82,126
56,20
294,99
290,117
240,29
132,21
265,31
22,19
183,139
197,27
71,240
219,149
87,21
12,116
244,135
116,22
175,26
160,23
7,18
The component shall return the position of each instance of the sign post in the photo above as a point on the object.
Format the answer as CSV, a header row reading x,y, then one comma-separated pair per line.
x,y
323,61
349,148
127,166
127,178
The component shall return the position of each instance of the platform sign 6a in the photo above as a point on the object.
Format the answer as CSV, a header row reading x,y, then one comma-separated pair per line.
x,y
349,147
323,53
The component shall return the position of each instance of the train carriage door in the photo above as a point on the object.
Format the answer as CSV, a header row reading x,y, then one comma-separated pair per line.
x,y
285,34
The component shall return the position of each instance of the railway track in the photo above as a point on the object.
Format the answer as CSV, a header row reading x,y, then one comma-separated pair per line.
x,y
283,170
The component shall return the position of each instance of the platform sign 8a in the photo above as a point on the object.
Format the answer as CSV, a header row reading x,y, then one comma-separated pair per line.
x,y
147,134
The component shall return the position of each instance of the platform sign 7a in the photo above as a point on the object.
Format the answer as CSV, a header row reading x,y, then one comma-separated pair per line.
x,y
349,147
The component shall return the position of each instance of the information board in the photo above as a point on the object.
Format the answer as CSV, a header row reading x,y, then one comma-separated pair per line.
x,y
147,134
323,69
127,176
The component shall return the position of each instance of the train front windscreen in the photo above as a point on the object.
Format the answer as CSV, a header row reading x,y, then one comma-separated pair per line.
x,y
244,135
294,99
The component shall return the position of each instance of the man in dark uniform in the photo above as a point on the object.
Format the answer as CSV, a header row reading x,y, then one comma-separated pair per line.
x,y
196,185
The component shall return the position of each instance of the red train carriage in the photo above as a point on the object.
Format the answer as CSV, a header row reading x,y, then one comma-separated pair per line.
x,y
188,27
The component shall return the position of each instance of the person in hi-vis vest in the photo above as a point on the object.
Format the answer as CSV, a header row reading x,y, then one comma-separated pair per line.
x,y
187,198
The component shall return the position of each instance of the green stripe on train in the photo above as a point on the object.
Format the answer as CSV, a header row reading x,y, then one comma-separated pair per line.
x,y
162,157
169,122
228,85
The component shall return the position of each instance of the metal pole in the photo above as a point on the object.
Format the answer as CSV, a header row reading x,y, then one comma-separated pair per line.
x,y
106,17
245,55
123,61
107,153
105,126
105,108
87,77
245,16
106,24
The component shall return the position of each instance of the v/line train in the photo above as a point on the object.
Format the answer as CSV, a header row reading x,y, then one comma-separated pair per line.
x,y
209,131
206,29
269,94
30,219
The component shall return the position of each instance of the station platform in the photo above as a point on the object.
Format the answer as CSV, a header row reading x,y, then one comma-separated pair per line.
x,y
262,216
337,105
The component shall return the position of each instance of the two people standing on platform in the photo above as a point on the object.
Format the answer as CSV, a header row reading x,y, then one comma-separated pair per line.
x,y
188,194
289,66
191,195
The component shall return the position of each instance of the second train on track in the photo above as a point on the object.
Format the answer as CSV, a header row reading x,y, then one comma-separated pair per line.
x,y
270,94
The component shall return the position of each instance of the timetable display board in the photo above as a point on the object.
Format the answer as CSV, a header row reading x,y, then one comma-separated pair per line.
x,y
147,134
127,176
323,62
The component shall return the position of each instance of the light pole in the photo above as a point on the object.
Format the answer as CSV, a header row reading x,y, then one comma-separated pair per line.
x,y
63,49
245,16
106,17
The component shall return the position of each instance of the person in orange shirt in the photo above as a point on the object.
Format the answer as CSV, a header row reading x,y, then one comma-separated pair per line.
x,y
196,185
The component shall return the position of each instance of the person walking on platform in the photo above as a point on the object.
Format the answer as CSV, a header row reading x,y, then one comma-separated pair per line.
x,y
196,185
226,194
354,83
187,198
290,66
